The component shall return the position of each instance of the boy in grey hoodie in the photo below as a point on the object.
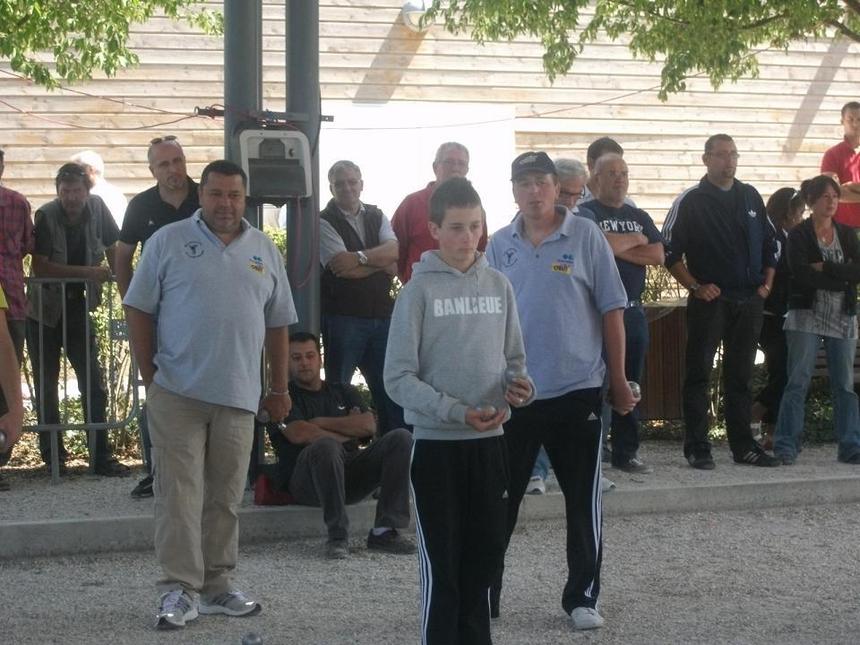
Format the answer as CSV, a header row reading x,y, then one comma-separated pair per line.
x,y
455,362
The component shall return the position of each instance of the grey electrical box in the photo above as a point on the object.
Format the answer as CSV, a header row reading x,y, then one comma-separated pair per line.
x,y
278,164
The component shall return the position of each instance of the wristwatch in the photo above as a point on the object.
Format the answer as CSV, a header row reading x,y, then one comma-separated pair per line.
x,y
694,287
362,257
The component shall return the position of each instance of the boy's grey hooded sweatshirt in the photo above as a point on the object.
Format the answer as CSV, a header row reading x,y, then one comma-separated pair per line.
x,y
452,337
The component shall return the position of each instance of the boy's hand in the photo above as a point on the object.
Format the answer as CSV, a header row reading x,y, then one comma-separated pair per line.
x,y
622,399
519,391
481,421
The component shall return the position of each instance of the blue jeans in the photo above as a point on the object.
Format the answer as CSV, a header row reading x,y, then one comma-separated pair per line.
x,y
541,468
625,427
802,347
350,342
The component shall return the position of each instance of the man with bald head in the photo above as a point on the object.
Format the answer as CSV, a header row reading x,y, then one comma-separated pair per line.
x,y
410,221
173,198
636,243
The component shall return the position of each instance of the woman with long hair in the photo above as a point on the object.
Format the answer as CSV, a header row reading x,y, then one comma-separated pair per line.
x,y
784,210
824,259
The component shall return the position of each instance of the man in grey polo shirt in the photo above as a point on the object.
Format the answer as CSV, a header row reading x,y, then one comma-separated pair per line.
x,y
571,301
221,294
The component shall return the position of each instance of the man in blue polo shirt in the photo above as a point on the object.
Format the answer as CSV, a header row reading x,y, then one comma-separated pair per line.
x,y
221,294
570,301
636,243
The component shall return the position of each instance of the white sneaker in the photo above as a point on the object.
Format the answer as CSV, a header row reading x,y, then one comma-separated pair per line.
x,y
175,609
606,485
585,618
230,603
536,486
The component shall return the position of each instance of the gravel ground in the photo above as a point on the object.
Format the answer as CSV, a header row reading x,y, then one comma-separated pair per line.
x,y
81,495
776,576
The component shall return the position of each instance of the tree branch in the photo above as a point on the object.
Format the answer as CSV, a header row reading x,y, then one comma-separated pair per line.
x,y
763,21
754,25
845,31
853,5
653,13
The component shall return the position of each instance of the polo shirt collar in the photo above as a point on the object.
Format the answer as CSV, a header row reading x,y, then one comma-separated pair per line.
x,y
848,145
198,218
361,210
565,229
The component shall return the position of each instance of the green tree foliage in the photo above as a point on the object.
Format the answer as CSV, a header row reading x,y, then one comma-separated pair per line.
x,y
716,37
53,40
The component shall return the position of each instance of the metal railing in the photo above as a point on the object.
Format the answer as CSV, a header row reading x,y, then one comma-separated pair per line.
x,y
105,340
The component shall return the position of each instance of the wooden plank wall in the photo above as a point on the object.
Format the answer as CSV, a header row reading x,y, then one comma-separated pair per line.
x,y
782,121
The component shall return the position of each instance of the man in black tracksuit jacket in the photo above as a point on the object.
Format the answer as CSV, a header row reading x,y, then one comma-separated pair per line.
x,y
721,247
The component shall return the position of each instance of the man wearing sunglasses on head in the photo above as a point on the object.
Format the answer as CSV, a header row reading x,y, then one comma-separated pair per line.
x,y
173,198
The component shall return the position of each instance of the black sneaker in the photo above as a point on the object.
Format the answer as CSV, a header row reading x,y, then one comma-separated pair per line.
x,y
701,461
143,488
635,466
390,542
757,457
111,468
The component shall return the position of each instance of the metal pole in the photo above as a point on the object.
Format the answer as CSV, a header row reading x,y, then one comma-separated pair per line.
x,y
243,77
303,96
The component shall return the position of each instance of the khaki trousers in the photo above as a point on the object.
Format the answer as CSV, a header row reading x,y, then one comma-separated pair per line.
x,y
201,453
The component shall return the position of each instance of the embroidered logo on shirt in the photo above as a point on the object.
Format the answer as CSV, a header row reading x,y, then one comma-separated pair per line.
x,y
510,257
563,264
256,263
751,213
193,249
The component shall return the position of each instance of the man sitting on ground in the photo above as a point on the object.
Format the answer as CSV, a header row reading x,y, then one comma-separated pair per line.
x,y
321,464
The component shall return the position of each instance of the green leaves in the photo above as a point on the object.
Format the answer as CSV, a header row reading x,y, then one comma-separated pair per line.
x,y
50,41
717,37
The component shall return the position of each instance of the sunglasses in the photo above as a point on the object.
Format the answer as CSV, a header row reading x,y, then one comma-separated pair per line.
x,y
157,140
72,173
